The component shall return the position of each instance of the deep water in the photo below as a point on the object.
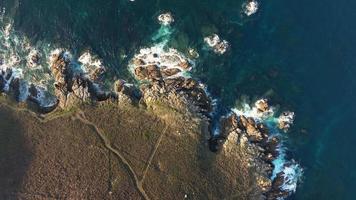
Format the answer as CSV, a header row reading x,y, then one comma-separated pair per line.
x,y
299,54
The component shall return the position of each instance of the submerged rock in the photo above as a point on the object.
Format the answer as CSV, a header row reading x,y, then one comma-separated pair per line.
x,y
165,19
250,7
219,46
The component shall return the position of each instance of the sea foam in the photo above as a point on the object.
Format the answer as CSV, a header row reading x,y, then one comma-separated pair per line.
x,y
292,171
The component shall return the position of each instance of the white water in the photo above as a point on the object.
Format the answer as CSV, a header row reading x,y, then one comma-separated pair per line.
x,y
16,56
291,169
161,55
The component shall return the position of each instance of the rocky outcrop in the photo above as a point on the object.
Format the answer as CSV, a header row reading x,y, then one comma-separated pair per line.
x,y
126,93
165,19
161,72
216,44
262,147
71,86
286,120
250,7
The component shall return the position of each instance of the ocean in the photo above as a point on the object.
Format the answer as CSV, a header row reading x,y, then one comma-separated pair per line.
x,y
298,54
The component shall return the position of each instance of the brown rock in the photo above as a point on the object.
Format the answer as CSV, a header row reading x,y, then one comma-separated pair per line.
x,y
141,73
138,62
170,72
185,64
153,72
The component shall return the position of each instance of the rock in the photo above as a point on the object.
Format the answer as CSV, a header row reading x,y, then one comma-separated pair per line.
x,y
165,19
264,183
219,46
193,53
80,89
262,105
72,87
184,64
153,72
250,7
286,120
248,124
119,86
141,73
170,72
276,191
138,62
126,92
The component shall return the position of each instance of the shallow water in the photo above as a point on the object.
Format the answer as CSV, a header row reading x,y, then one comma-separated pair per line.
x,y
299,54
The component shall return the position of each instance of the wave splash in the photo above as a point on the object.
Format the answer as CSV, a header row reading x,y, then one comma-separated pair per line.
x,y
288,172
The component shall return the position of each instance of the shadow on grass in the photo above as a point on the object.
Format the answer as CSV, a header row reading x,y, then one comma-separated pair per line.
x,y
14,155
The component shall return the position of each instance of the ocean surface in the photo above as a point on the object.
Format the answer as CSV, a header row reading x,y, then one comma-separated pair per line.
x,y
301,55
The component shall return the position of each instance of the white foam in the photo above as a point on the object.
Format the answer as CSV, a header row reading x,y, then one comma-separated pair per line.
x,y
165,19
218,45
91,64
291,169
286,120
254,112
169,58
250,8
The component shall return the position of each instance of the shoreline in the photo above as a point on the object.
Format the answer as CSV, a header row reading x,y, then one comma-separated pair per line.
x,y
166,85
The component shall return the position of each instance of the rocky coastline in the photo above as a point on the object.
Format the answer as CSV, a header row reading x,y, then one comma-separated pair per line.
x,y
243,145
166,85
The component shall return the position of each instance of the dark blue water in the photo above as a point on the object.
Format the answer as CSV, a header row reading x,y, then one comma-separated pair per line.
x,y
300,54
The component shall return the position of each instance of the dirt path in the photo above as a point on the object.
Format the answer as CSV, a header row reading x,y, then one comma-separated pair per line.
x,y
153,154
41,118
81,117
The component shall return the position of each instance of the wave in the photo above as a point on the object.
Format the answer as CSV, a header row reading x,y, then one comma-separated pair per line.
x,y
289,170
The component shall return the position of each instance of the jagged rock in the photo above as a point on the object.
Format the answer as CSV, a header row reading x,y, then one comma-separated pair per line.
x,y
262,105
276,192
264,183
271,149
184,64
119,86
170,72
138,62
153,72
286,120
141,72
126,92
72,87
249,125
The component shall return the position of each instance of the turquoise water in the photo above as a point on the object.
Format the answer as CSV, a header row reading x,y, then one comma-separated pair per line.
x,y
299,54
